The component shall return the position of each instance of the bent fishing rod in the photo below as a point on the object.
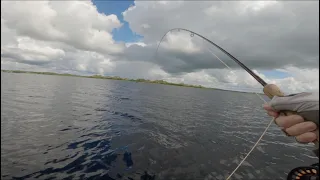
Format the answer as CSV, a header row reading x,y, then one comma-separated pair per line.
x,y
269,90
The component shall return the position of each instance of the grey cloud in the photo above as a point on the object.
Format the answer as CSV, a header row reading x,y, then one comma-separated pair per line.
x,y
277,36
28,57
17,58
282,34
176,62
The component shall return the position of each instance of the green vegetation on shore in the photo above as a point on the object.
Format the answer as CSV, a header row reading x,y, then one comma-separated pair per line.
x,y
122,79
108,77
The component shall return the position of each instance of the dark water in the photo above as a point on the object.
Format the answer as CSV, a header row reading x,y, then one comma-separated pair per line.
x,y
76,128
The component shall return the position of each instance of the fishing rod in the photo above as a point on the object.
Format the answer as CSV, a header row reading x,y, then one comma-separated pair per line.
x,y
269,90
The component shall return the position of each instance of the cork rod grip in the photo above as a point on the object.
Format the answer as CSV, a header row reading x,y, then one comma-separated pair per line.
x,y
272,90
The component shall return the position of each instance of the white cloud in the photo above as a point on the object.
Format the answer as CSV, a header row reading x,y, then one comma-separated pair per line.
x,y
258,37
180,42
31,51
75,23
256,5
142,44
301,80
72,36
68,36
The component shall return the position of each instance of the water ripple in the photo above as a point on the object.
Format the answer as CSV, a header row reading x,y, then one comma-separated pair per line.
x,y
78,128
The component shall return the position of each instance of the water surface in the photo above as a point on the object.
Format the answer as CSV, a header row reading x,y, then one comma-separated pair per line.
x,y
55,127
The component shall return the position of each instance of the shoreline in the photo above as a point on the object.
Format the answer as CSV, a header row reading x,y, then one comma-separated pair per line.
x,y
122,79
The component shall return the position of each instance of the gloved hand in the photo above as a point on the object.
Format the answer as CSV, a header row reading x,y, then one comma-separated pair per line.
x,y
307,107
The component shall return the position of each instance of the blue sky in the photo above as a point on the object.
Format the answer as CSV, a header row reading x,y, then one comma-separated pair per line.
x,y
117,7
275,74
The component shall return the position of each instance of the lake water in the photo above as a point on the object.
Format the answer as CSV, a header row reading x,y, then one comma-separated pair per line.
x,y
55,127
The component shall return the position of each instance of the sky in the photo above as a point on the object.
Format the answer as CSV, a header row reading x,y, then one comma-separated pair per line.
x,y
278,40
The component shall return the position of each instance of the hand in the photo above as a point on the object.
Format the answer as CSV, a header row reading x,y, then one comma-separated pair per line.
x,y
294,125
307,106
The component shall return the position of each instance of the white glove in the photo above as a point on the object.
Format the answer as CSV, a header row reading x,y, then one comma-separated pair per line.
x,y
305,104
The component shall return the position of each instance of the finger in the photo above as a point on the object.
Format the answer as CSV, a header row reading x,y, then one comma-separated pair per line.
x,y
301,128
272,113
306,137
267,107
288,121
317,134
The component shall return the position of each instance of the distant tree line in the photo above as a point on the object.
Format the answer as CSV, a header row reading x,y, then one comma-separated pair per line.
x,y
108,77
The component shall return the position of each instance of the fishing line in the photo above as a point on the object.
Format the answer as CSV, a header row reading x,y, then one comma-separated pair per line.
x,y
264,132
258,79
254,146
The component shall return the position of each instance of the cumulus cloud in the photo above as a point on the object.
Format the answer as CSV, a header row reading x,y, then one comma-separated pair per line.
x,y
73,36
76,23
300,80
263,35
31,51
